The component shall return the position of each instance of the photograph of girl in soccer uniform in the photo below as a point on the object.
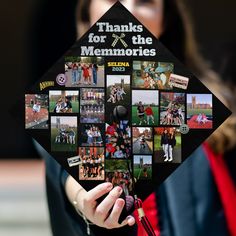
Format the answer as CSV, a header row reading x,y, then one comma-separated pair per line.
x,y
167,145
145,107
84,71
92,167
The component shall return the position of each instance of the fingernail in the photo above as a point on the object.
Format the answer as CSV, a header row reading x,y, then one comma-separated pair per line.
x,y
119,189
120,203
109,186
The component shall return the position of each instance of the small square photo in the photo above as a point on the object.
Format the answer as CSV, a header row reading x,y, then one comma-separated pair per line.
x,y
142,167
145,107
118,89
167,145
92,166
172,109
118,140
199,111
64,133
91,135
142,140
117,172
92,106
63,101
36,111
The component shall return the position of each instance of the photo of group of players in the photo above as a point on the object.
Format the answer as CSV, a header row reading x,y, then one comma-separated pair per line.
x,y
91,165
92,105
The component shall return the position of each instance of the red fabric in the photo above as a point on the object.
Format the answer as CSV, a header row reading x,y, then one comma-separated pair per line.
x,y
149,111
150,209
225,186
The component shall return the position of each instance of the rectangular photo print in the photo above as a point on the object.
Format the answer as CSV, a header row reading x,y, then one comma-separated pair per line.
x,y
152,75
61,101
142,167
117,173
142,140
92,166
118,89
36,111
167,145
199,111
172,108
63,133
84,71
91,135
118,140
145,107
92,106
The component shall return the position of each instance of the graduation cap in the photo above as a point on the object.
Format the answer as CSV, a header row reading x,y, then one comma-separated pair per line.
x,y
136,146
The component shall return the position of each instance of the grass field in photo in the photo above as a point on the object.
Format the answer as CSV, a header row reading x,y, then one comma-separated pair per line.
x,y
75,106
207,112
135,119
62,147
138,173
157,142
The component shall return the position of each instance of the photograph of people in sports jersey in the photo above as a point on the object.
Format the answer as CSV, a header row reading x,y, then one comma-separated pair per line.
x,y
145,107
92,106
92,166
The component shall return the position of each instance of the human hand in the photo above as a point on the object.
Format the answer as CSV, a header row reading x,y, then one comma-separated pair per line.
x,y
105,214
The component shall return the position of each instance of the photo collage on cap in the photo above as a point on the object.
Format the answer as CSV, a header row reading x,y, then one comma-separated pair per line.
x,y
118,118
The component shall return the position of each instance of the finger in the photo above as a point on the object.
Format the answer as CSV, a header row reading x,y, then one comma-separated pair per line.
x,y
112,220
104,207
98,192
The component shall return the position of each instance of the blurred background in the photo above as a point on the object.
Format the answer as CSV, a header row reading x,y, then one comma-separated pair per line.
x,y
34,34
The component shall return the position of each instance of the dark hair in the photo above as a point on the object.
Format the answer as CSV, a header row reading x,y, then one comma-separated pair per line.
x,y
178,37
